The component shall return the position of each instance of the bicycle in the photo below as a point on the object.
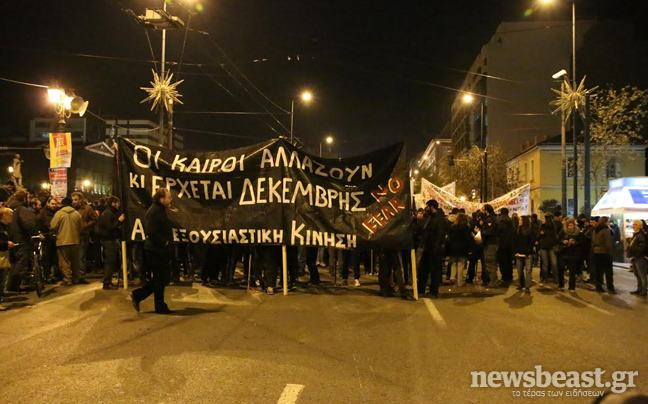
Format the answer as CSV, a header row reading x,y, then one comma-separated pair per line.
x,y
38,267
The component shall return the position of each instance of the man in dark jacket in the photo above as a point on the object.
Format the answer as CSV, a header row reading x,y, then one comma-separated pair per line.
x,y
23,228
157,252
430,253
50,261
89,219
505,246
109,231
490,232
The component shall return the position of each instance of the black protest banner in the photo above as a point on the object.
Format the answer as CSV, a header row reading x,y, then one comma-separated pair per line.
x,y
271,193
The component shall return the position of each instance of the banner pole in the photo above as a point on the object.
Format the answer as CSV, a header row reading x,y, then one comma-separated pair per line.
x,y
285,270
124,264
249,269
371,269
414,275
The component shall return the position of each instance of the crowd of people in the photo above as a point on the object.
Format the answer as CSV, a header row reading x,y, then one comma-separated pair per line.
x,y
479,248
584,247
76,238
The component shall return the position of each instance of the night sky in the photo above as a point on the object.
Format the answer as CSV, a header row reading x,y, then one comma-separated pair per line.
x,y
380,71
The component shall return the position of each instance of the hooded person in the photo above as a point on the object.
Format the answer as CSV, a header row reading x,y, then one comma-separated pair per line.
x,y
603,249
23,228
67,224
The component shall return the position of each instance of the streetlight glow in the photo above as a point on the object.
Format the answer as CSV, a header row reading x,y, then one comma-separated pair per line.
x,y
55,95
559,74
306,96
10,169
44,185
329,140
86,183
467,98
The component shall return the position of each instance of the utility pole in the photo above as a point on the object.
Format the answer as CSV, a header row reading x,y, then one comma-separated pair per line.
x,y
563,149
586,145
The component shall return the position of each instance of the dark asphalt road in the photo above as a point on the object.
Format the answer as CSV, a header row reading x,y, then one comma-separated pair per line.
x,y
339,345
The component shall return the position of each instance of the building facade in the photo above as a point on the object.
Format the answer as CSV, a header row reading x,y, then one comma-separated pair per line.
x,y
540,166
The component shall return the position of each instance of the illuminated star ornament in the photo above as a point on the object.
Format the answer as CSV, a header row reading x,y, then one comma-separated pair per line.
x,y
162,92
571,100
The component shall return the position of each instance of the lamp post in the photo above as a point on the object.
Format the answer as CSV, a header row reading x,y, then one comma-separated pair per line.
x,y
468,99
328,140
306,97
563,145
573,77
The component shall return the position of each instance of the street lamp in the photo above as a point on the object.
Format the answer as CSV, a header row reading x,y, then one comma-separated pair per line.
x,y
328,140
573,72
468,99
10,169
306,96
563,143
65,105
44,185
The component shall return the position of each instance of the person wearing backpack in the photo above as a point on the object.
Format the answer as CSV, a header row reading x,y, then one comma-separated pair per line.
x,y
637,253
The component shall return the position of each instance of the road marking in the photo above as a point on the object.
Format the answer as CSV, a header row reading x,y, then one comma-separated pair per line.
x,y
588,304
80,291
435,313
207,296
290,394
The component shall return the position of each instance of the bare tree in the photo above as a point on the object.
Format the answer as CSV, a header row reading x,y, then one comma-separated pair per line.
x,y
617,121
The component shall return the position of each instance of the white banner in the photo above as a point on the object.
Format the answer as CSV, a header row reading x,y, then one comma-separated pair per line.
x,y
451,188
516,201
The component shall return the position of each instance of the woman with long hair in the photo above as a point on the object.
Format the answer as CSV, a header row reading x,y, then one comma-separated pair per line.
x,y
524,243
460,243
571,239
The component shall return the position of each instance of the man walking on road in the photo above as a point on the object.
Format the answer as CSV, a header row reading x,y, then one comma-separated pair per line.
x,y
89,219
157,252
66,223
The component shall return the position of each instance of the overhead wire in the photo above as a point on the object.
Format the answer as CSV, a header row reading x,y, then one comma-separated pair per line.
x,y
218,133
23,83
148,39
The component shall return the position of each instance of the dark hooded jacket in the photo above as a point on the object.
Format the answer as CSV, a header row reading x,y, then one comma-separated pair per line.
x,y
24,225
506,233
460,241
109,227
548,236
602,240
158,228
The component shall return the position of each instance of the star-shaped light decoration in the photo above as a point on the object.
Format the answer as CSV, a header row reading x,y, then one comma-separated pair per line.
x,y
571,100
162,92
